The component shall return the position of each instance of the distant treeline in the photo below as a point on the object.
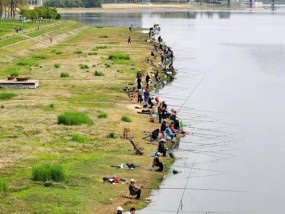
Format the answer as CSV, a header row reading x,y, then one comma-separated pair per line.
x,y
73,3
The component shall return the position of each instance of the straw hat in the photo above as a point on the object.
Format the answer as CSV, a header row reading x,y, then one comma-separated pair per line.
x,y
133,180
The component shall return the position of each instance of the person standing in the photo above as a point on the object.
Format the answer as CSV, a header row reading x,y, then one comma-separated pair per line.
x,y
159,112
129,40
147,79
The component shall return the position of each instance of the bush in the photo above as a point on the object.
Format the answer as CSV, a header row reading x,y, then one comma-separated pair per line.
x,y
48,172
79,138
103,36
83,66
7,96
14,74
56,65
125,118
64,74
3,185
74,118
119,56
98,74
102,115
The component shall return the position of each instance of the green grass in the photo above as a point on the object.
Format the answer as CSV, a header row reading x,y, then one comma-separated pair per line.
x,y
14,74
56,65
64,74
27,62
11,41
83,66
80,138
92,53
7,96
103,36
126,118
111,135
3,185
74,118
40,57
102,115
100,47
98,74
119,56
48,172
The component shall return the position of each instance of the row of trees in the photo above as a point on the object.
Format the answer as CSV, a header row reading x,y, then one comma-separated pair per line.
x,y
43,12
73,3
8,7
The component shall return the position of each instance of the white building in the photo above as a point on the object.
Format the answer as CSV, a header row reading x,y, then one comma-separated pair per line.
x,y
35,3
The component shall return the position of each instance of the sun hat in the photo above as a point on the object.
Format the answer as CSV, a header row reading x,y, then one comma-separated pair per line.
x,y
120,208
132,180
163,140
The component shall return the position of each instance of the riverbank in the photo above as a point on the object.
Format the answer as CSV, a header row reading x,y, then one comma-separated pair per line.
x,y
75,74
193,6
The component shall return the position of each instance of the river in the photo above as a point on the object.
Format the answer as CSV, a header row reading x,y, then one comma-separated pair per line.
x,y
230,87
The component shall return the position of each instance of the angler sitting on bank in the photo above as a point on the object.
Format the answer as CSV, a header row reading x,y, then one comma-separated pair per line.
x,y
161,149
156,164
134,191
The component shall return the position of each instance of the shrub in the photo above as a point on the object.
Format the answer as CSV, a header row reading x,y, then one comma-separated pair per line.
x,y
74,118
103,36
14,74
111,135
56,65
48,172
7,96
125,118
83,66
78,52
3,185
119,56
98,74
80,138
102,115
64,74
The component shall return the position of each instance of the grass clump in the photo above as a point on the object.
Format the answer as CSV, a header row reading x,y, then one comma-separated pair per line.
x,y
100,47
48,172
7,96
74,118
26,62
40,57
102,115
58,52
119,56
78,52
126,118
14,74
64,74
111,135
98,74
83,66
56,65
80,138
107,65
103,36
3,185
92,53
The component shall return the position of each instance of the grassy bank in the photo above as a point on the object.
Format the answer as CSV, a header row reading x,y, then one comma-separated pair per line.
x,y
77,74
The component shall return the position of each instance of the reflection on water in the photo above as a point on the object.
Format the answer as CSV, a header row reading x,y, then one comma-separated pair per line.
x,y
231,79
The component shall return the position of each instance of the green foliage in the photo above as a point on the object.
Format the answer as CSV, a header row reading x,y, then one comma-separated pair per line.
x,y
83,66
14,74
73,3
44,12
100,47
26,62
51,106
56,65
74,118
3,185
103,36
119,56
58,52
98,74
102,115
7,96
48,172
40,57
64,74
126,118
80,138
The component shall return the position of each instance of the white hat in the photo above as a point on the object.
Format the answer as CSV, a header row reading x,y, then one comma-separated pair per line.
x,y
132,180
120,208
163,140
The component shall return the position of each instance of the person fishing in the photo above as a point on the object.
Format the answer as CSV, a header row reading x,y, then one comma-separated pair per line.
x,y
157,164
132,210
161,149
147,80
134,191
120,210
